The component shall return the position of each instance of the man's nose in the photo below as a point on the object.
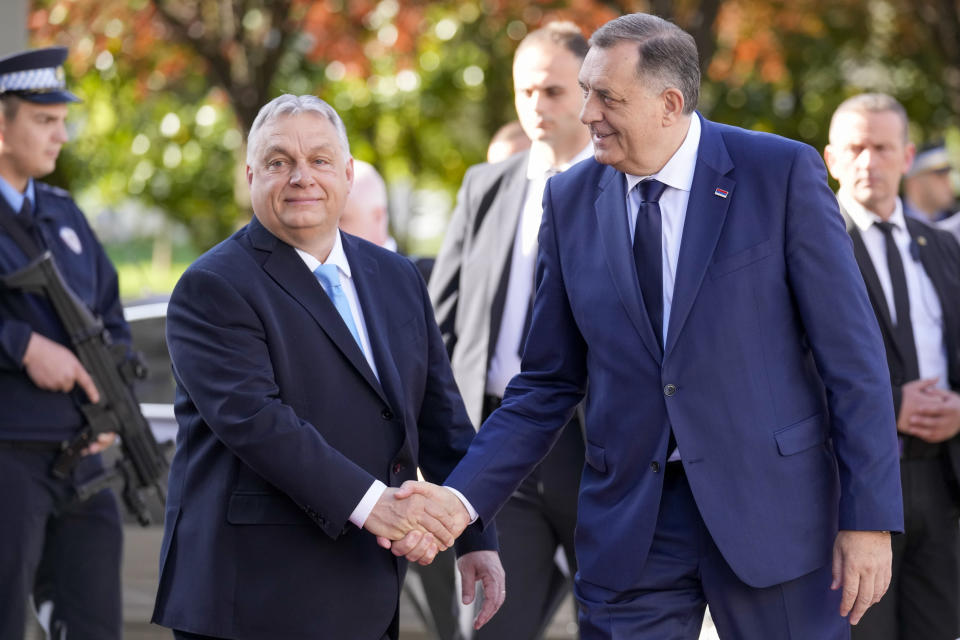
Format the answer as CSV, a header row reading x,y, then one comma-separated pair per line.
x,y
60,135
589,113
300,174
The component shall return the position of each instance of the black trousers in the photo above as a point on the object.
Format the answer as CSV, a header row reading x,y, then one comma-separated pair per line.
x,y
923,595
81,544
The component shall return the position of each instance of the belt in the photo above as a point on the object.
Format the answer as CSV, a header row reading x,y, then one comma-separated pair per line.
x,y
33,445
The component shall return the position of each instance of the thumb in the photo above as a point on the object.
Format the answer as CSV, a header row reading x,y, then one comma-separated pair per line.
x,y
406,490
837,568
384,542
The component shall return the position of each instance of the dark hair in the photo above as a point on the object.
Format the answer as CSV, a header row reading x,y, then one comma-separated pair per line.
x,y
11,104
667,52
563,34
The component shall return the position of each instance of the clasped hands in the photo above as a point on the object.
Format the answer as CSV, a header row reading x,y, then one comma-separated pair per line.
x,y
419,520
928,412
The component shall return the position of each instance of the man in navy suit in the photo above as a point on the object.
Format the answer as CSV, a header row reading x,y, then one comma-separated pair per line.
x,y
741,445
311,377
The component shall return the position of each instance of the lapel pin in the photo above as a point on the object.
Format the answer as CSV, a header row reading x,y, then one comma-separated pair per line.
x,y
723,193
922,241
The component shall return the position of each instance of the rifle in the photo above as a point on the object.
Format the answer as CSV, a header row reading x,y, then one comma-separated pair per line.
x,y
142,468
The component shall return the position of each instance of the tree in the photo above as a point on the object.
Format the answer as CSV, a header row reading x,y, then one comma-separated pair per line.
x,y
173,85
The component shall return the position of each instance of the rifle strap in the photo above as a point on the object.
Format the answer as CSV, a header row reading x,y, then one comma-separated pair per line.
x,y
20,228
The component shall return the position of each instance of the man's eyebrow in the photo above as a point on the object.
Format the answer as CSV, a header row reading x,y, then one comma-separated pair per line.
x,y
274,149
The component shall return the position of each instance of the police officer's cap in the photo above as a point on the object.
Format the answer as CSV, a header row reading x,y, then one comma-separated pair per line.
x,y
36,75
930,159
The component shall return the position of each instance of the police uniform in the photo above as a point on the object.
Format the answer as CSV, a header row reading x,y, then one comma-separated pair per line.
x,y
78,544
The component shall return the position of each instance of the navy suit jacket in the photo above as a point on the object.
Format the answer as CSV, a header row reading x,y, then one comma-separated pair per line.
x,y
283,428
773,375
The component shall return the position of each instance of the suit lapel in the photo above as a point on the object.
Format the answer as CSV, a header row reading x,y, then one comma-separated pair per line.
x,y
367,280
871,280
610,207
291,274
706,213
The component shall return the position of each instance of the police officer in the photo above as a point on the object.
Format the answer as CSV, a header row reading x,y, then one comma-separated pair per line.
x,y
42,383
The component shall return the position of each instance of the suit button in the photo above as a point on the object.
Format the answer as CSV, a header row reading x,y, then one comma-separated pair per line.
x,y
655,466
397,468
386,414
669,390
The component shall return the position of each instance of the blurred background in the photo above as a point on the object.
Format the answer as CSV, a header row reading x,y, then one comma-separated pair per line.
x,y
171,86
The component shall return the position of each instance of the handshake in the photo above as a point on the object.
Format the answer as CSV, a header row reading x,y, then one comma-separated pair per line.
x,y
419,520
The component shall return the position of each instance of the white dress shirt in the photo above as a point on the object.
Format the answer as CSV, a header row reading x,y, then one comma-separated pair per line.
x,y
505,361
339,258
926,314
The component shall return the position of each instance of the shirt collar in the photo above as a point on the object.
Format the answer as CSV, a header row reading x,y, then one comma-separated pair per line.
x,y
678,172
13,197
864,218
537,167
336,257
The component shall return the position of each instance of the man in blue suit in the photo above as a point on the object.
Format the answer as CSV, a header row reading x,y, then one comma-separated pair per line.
x,y
741,444
311,377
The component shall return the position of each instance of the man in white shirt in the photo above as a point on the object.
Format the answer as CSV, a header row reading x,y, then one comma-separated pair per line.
x,y
910,269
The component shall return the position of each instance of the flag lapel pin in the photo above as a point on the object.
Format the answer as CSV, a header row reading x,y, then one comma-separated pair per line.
x,y
723,193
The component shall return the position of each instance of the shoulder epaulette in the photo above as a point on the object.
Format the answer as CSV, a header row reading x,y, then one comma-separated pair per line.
x,y
52,190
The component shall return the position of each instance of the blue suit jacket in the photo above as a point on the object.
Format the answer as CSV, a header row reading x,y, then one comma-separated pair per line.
x,y
780,400
283,427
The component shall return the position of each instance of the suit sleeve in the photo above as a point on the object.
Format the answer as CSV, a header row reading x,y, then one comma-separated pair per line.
x,y
445,277
541,399
845,339
444,429
221,360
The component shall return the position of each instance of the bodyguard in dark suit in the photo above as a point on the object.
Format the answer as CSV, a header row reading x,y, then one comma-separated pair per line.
x,y
741,444
42,383
482,289
311,379
912,273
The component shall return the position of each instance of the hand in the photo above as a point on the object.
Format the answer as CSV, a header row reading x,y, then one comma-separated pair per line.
x,y
416,546
445,506
862,562
393,517
53,367
917,396
104,441
483,566
939,422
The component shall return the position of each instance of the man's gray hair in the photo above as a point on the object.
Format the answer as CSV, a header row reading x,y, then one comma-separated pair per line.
x,y
873,103
291,105
667,53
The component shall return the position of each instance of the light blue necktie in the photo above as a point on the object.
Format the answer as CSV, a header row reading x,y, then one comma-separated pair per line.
x,y
329,277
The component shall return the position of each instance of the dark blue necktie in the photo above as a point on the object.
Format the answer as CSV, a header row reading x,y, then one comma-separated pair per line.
x,y
647,250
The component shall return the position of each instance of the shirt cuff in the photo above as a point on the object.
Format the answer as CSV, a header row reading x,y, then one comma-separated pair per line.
x,y
367,503
466,503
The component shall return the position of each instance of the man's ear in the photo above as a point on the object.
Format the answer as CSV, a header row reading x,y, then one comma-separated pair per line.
x,y
829,156
249,173
672,105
